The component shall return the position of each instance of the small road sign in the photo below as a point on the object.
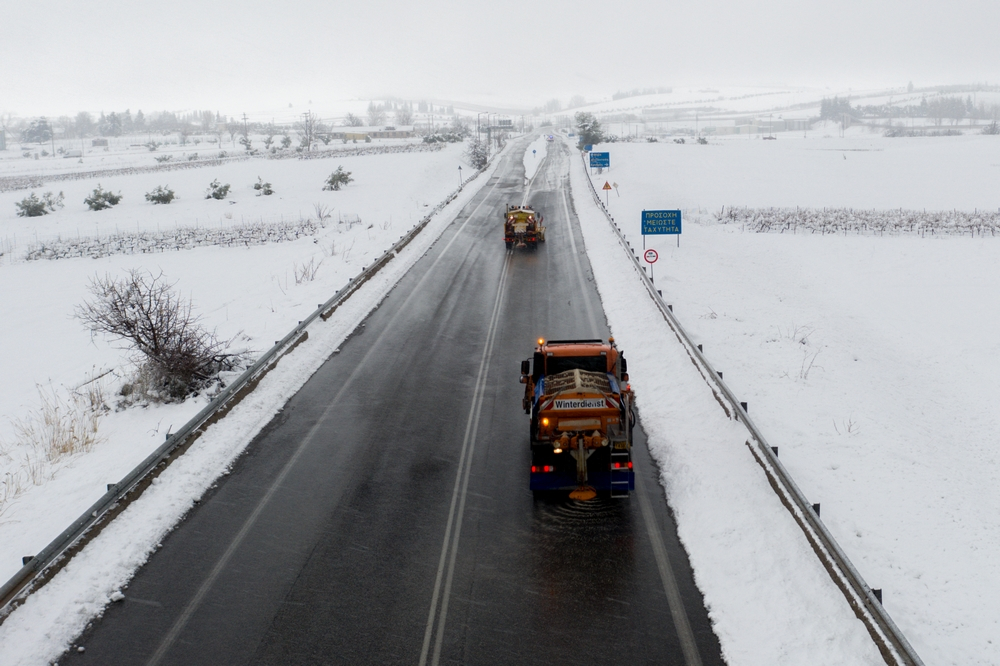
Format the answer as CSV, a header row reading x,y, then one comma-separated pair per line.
x,y
600,160
589,147
650,256
607,185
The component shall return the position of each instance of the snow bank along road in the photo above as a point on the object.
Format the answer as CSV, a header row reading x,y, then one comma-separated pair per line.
x,y
384,515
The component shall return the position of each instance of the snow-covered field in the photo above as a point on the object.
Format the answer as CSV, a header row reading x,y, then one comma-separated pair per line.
x,y
254,294
870,361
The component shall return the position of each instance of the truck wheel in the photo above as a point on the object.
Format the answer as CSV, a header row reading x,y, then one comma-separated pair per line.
x,y
509,245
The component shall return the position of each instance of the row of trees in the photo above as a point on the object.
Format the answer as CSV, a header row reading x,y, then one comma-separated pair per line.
x,y
937,109
84,124
114,124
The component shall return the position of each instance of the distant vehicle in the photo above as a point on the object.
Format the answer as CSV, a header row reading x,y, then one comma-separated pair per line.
x,y
550,138
770,138
522,227
73,153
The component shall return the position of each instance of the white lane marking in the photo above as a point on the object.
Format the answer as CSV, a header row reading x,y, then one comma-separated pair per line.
x,y
449,548
688,644
248,524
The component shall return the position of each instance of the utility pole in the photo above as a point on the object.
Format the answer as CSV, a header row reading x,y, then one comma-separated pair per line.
x,y
307,126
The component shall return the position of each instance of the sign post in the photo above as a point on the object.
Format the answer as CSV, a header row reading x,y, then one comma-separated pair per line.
x,y
650,256
607,186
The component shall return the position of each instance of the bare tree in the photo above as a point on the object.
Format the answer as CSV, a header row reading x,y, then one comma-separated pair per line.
x,y
307,126
404,115
144,312
376,114
351,120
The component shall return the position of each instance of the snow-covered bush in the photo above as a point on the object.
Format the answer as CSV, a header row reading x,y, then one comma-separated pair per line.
x,y
163,158
33,206
337,179
160,195
444,137
216,190
992,128
178,238
100,199
263,188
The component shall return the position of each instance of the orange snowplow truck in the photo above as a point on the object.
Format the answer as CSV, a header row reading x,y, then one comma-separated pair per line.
x,y
522,227
578,395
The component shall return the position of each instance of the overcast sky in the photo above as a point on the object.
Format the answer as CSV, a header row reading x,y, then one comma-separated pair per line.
x,y
57,58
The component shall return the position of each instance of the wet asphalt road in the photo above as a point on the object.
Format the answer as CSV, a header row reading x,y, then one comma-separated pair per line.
x,y
384,516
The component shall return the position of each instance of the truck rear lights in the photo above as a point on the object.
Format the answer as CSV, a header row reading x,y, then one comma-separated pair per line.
x,y
621,465
542,468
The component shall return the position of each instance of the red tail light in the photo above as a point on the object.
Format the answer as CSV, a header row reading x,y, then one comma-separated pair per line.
x,y
542,468
619,465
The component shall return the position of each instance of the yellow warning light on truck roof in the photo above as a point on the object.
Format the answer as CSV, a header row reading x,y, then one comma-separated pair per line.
x,y
541,341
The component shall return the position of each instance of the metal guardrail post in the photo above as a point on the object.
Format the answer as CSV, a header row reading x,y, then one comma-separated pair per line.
x,y
867,606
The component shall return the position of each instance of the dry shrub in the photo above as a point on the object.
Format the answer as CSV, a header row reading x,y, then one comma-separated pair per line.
x,y
58,428
143,311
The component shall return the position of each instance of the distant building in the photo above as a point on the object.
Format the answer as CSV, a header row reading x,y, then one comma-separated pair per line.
x,y
390,134
99,142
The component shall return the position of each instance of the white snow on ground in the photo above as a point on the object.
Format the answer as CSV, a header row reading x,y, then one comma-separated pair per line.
x,y
534,154
41,629
871,362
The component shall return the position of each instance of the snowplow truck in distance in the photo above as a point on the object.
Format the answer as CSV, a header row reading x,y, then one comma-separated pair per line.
x,y
522,227
580,401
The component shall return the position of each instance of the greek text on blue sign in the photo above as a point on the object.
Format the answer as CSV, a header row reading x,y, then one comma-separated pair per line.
x,y
656,222
600,160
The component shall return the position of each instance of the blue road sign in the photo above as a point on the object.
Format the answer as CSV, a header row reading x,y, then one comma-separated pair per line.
x,y
656,222
600,160
589,147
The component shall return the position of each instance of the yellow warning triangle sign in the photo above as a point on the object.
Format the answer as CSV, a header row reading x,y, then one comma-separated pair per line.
x,y
607,185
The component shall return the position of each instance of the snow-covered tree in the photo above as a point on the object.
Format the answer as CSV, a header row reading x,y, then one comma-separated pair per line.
x,y
39,131
112,125
84,123
589,129
478,154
